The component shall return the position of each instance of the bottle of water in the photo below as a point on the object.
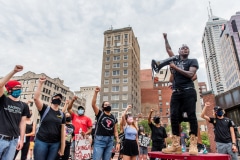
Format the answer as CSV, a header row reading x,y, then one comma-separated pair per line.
x,y
183,148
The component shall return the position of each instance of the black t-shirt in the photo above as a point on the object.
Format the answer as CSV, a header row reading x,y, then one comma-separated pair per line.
x,y
50,129
181,81
222,129
105,125
158,133
11,113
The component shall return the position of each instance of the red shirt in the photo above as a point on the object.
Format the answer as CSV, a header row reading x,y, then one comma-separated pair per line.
x,y
83,122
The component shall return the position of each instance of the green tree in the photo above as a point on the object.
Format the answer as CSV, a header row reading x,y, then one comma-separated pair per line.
x,y
205,139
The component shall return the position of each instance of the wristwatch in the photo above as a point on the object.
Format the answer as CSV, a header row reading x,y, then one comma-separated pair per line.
x,y
234,144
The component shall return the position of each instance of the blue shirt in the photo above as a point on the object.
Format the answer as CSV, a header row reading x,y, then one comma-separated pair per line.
x,y
130,133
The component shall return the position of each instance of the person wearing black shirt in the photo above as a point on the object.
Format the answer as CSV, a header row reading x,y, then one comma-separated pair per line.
x,y
13,114
223,129
106,129
183,99
158,134
50,137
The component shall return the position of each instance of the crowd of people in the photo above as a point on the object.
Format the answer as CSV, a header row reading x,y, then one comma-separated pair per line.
x,y
53,137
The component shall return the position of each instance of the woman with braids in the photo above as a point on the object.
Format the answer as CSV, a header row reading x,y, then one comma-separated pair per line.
x,y
130,144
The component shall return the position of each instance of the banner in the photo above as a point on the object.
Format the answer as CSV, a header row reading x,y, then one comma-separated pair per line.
x,y
82,147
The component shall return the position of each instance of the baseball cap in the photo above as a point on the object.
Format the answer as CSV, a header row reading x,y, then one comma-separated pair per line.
x,y
81,107
217,108
12,83
57,94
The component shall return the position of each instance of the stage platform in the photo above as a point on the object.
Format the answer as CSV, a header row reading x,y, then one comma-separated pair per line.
x,y
187,156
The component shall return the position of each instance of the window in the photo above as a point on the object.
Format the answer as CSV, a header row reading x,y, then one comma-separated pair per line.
x,y
115,106
160,103
116,65
124,97
160,98
116,50
106,81
125,88
115,88
167,103
108,38
26,89
116,73
106,73
125,72
160,109
125,50
116,58
117,37
125,80
115,97
115,80
125,43
117,44
125,57
35,88
108,44
124,105
125,64
107,59
159,91
105,89
108,51
125,36
105,98
107,66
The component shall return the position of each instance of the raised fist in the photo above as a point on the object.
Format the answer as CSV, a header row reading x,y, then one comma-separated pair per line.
x,y
18,68
164,35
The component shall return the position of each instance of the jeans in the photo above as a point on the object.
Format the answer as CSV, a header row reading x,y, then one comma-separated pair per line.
x,y
45,151
7,149
102,149
226,148
184,101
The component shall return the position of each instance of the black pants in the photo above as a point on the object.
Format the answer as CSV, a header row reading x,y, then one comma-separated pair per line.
x,y
157,146
66,153
24,151
184,101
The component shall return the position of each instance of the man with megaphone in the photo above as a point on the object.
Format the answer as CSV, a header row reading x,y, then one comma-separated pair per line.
x,y
183,99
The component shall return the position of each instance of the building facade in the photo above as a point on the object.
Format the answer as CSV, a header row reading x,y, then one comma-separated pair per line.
x,y
120,82
87,94
29,81
230,47
212,54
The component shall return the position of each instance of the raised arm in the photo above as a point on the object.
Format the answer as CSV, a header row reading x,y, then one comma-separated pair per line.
x,y
71,104
65,106
203,115
150,116
37,94
5,79
124,114
167,45
94,100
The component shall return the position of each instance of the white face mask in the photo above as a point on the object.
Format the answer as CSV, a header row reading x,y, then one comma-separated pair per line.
x,y
80,112
130,120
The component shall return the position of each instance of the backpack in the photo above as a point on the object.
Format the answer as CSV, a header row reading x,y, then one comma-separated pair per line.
x,y
44,115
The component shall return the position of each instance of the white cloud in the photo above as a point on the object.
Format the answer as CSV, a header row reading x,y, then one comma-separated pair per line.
x,y
65,38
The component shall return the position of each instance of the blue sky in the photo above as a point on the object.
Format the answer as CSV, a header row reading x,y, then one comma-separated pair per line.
x,y
64,38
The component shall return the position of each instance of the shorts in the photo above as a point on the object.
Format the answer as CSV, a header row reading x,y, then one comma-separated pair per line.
x,y
143,150
130,148
31,146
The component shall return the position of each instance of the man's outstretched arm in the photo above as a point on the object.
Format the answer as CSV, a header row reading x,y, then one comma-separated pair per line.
x,y
167,45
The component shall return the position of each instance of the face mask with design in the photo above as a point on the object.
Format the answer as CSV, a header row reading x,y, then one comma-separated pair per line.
x,y
16,93
56,101
219,113
107,109
68,119
80,112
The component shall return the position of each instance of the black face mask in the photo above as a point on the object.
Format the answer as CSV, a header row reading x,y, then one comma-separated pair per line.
x,y
56,101
68,119
107,109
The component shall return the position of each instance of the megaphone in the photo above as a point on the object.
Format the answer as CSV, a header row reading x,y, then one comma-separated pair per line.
x,y
157,65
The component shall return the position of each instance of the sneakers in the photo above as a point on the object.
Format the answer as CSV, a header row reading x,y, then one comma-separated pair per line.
x,y
193,150
175,147
202,148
